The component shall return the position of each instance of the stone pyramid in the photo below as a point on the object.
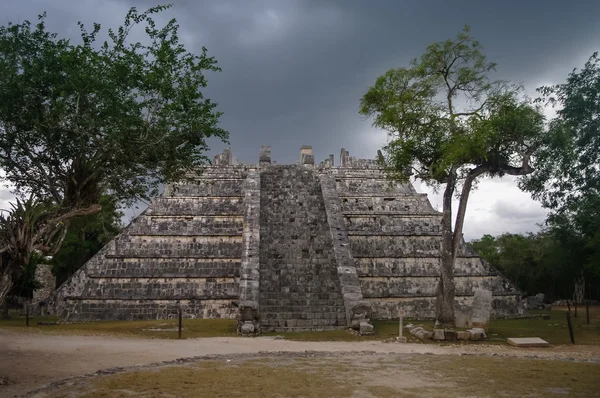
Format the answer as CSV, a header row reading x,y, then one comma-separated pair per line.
x,y
283,247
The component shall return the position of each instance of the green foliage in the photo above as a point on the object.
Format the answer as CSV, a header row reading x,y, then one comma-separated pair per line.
x,y
448,123
567,175
567,179
81,120
119,117
444,113
85,237
548,262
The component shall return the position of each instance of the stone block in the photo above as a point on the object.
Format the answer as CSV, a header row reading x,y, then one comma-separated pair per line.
x,y
247,328
477,334
462,317
438,334
463,335
450,335
482,308
415,330
366,329
527,342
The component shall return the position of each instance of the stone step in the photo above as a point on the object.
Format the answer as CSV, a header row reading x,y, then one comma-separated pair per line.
x,y
400,246
138,246
187,225
222,187
153,267
197,206
99,309
161,288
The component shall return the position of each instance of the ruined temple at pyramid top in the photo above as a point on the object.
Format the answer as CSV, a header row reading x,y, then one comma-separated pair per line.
x,y
281,247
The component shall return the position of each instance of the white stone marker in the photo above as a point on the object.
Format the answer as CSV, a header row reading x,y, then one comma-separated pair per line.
x,y
527,342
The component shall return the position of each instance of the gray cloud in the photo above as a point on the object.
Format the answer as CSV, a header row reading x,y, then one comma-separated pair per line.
x,y
294,71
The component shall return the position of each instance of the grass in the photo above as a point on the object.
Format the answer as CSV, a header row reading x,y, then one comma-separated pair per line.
x,y
554,330
365,376
164,329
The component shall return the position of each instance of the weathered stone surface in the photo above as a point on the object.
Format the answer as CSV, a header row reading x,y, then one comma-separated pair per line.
x,y
477,334
535,302
298,269
527,342
462,317
415,330
315,247
366,329
47,284
463,335
247,328
438,334
450,335
482,308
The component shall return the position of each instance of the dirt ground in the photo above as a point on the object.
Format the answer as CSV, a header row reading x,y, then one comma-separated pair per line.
x,y
31,360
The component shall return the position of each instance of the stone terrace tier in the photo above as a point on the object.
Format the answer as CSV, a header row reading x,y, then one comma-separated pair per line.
x,y
395,239
281,248
184,250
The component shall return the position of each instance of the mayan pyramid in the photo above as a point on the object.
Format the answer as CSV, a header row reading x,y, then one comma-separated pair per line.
x,y
290,247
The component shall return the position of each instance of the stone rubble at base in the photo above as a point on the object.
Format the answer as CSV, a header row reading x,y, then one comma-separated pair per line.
x,y
280,248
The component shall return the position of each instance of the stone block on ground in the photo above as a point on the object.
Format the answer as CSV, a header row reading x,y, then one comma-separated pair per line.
x,y
463,335
415,331
535,302
527,342
366,329
482,308
476,334
247,328
450,335
438,334
462,317
400,339
427,335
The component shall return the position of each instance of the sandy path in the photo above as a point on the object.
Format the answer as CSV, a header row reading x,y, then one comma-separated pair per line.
x,y
30,361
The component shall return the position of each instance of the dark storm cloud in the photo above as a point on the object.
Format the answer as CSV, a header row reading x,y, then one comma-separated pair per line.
x,y
295,70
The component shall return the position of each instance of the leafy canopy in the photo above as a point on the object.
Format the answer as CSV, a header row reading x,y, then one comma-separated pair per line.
x,y
568,172
443,112
567,179
121,117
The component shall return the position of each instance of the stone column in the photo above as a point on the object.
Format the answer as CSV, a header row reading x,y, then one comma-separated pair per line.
x,y
44,276
250,262
265,155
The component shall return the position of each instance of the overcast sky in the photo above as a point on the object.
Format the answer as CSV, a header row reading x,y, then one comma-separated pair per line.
x,y
294,70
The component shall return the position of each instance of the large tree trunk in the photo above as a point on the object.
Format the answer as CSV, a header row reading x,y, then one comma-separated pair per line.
x,y
444,306
6,283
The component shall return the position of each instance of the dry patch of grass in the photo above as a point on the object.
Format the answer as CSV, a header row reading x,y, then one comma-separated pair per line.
x,y
351,376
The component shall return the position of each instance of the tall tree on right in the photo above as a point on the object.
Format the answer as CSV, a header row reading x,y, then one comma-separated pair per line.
x,y
567,176
449,124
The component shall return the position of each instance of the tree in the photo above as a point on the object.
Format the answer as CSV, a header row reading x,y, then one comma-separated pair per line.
x,y
80,120
85,237
27,230
449,124
567,179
